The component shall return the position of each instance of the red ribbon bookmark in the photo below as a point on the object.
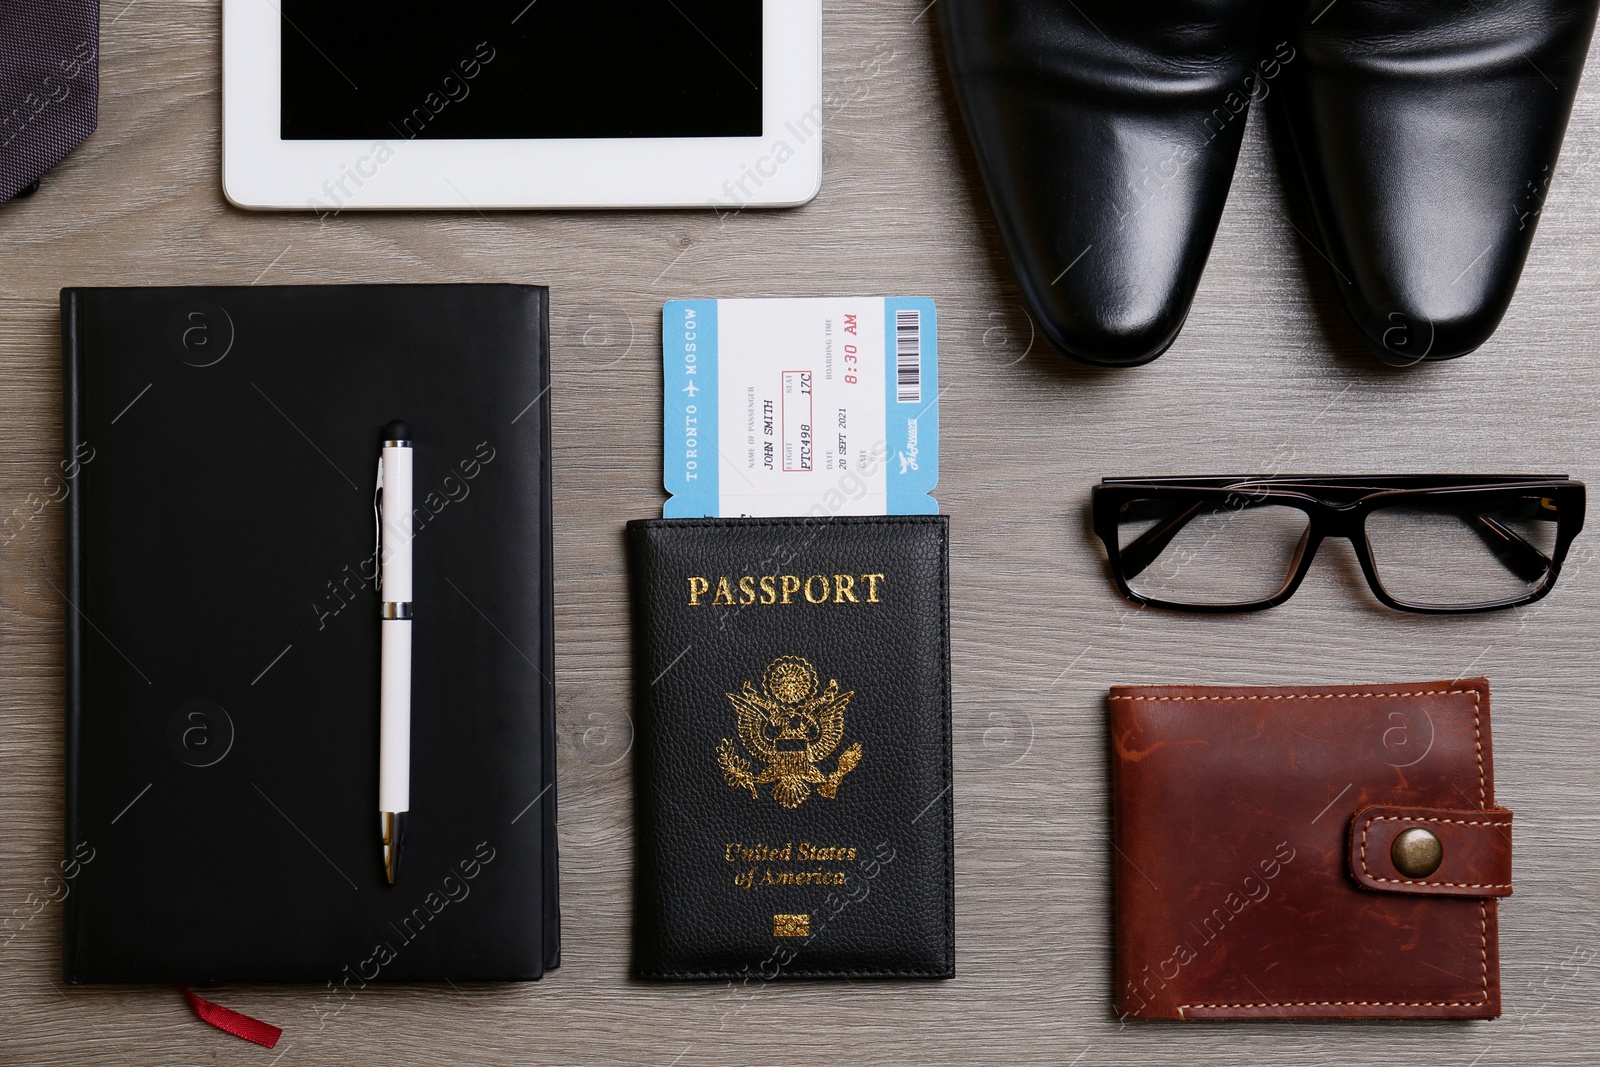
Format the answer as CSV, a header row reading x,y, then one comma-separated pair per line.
x,y
233,1022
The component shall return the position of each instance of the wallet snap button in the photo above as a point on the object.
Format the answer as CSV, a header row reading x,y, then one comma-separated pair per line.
x,y
1416,853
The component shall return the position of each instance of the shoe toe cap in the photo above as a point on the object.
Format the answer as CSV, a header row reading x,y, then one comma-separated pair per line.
x,y
1112,332
1417,329
1120,297
1438,294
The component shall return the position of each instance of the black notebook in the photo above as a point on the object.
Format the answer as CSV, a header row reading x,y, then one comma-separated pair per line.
x,y
223,635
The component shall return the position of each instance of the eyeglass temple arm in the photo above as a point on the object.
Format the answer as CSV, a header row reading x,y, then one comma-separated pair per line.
x,y
1518,555
1148,546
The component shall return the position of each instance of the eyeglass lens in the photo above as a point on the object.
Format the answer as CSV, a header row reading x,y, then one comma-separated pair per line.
x,y
1460,550
1208,553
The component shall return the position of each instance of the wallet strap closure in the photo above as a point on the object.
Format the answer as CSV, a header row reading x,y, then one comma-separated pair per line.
x,y
1445,851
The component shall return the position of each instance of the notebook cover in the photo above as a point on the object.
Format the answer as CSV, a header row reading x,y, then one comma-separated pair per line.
x,y
223,635
793,681
1254,876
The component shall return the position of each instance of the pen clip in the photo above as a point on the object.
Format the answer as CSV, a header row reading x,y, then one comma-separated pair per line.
x,y
377,530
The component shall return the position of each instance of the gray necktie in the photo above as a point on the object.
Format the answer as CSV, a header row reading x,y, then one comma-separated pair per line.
x,y
49,85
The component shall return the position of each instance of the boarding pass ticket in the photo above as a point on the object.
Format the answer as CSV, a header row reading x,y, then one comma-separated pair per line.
x,y
800,407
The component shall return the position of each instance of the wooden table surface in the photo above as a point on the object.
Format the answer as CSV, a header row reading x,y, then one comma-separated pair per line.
x,y
1267,376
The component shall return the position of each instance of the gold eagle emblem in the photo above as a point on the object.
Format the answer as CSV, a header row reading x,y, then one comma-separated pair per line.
x,y
791,728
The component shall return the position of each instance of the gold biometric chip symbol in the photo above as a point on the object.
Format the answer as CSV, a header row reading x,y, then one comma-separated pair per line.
x,y
791,925
789,728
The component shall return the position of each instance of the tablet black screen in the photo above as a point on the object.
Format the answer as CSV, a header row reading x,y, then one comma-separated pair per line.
x,y
451,69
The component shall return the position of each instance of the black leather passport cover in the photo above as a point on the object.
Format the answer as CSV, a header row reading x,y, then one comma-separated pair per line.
x,y
222,448
793,680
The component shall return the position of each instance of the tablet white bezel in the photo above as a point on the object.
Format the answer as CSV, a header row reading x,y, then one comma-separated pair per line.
x,y
782,168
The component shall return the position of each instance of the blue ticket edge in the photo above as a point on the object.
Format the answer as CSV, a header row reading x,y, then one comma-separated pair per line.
x,y
691,467
912,427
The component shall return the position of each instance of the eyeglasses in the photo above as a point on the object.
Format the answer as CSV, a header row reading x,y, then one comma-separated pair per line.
x,y
1438,544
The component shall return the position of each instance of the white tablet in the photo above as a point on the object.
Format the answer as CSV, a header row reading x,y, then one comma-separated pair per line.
x,y
479,104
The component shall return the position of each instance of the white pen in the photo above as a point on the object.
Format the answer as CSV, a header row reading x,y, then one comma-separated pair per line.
x,y
394,672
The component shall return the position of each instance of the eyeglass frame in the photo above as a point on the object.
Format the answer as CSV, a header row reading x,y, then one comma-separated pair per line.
x,y
1346,519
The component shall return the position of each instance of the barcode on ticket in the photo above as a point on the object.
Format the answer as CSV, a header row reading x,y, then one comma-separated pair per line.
x,y
908,356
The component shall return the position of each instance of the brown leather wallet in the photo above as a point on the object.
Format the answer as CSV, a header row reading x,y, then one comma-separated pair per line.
x,y
1307,852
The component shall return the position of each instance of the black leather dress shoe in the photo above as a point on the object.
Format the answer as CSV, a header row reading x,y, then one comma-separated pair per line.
x,y
1107,132
1427,131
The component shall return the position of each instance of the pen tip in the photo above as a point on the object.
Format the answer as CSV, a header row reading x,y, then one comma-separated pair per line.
x,y
394,833
397,430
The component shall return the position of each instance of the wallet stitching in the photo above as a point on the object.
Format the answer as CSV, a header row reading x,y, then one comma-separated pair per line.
x,y
1367,871
1345,1003
1322,696
1477,741
1483,962
1483,946
1483,907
